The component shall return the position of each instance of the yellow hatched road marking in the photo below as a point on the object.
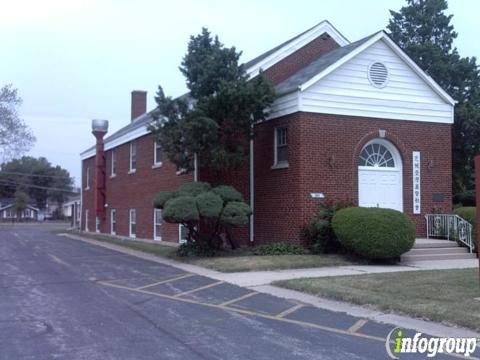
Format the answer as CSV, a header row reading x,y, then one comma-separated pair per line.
x,y
184,276
199,289
358,325
264,316
289,310
246,296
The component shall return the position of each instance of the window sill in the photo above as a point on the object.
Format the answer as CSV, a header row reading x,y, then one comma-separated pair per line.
x,y
283,165
132,172
87,188
113,176
156,238
181,172
131,236
157,165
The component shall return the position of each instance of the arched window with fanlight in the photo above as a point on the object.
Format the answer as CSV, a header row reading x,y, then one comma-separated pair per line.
x,y
376,155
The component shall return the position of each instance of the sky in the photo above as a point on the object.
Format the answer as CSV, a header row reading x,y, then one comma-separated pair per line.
x,y
77,60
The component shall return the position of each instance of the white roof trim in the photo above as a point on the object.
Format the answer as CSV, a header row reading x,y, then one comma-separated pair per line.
x,y
132,135
381,36
291,47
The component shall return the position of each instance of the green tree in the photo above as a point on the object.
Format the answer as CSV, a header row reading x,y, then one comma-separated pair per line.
x,y
20,202
209,214
426,34
15,136
38,178
215,120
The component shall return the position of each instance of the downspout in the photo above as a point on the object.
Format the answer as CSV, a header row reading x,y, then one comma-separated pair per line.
x,y
252,188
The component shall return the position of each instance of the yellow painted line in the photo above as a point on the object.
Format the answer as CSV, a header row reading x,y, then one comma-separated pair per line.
x,y
248,312
358,325
265,316
184,276
238,299
289,310
199,289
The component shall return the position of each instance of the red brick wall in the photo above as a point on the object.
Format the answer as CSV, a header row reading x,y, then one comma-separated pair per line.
x,y
282,196
278,212
300,58
135,191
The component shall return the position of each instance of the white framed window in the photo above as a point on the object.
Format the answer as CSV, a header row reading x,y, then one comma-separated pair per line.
x,y
87,178
157,154
86,220
97,224
133,157
157,224
182,234
281,147
113,222
113,169
132,223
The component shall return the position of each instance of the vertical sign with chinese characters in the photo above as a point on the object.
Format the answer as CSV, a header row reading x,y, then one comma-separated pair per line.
x,y
416,183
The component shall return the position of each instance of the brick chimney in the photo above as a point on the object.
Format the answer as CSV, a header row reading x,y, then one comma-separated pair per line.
x,y
139,103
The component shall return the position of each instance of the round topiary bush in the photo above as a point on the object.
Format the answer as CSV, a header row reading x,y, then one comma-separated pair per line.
x,y
374,233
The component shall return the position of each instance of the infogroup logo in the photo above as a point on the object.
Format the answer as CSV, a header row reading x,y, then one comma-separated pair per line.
x,y
397,343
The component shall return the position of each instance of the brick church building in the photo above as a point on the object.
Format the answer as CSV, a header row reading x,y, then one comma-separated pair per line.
x,y
353,121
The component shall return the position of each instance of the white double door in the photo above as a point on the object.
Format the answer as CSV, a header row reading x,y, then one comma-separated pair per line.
x,y
380,188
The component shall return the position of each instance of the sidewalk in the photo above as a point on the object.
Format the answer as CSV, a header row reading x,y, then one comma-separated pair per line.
x,y
260,281
257,278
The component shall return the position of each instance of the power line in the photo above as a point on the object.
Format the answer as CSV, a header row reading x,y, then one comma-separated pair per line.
x,y
6,183
33,175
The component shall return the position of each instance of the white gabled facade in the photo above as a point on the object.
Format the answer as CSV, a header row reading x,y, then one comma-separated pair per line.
x,y
344,88
348,91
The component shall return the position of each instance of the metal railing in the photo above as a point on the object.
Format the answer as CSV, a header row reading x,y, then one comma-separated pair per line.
x,y
450,227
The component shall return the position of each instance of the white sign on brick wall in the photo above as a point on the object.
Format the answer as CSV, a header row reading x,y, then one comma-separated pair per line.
x,y
416,183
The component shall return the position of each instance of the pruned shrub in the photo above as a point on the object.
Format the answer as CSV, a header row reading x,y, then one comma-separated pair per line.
x,y
209,215
279,248
374,233
319,233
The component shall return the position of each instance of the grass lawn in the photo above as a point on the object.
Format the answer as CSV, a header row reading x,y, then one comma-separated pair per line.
x,y
446,296
232,261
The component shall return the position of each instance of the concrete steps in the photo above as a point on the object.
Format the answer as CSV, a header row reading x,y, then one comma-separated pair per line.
x,y
432,249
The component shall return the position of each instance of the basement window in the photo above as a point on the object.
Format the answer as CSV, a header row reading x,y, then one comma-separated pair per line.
x,y
280,147
133,223
113,221
157,224
86,220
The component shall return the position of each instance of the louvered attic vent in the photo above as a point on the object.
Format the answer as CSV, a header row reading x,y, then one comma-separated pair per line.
x,y
378,74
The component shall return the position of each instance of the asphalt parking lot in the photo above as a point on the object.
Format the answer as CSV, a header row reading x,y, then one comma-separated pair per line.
x,y
65,299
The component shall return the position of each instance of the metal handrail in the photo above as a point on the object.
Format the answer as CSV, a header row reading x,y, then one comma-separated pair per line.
x,y
450,227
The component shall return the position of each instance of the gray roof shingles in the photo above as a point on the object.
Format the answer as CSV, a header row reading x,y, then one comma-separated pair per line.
x,y
289,85
293,82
